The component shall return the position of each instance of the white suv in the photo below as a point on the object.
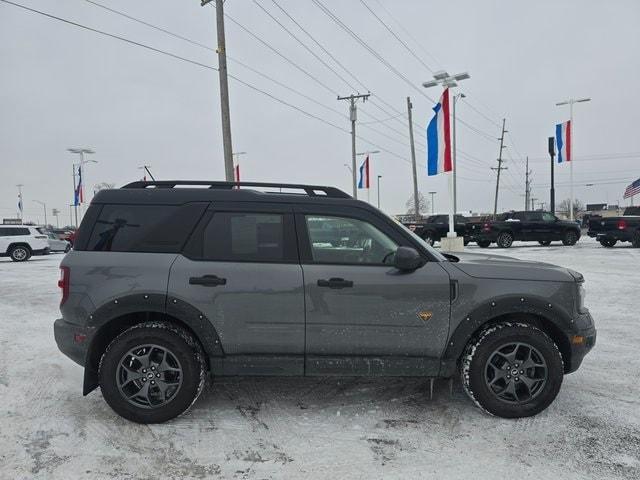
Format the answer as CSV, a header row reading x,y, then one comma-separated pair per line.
x,y
21,241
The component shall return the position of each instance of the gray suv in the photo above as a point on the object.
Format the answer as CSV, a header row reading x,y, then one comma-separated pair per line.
x,y
170,282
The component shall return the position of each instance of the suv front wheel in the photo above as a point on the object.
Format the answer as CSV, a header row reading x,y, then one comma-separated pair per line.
x,y
20,253
570,238
152,372
512,370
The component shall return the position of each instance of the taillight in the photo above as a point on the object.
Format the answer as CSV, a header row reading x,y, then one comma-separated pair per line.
x,y
486,227
622,224
63,283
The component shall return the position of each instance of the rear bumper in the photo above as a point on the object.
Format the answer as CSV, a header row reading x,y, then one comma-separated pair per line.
x,y
581,341
618,235
72,340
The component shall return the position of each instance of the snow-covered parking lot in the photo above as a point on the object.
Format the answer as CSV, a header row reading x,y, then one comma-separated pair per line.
x,y
324,428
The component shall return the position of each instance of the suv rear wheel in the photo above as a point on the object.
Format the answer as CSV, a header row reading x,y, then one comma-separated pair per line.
x,y
608,243
505,240
545,243
570,238
152,372
20,253
512,370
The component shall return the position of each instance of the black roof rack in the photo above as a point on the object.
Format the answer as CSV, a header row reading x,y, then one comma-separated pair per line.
x,y
310,190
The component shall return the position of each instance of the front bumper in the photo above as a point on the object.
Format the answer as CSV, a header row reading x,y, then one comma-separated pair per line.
x,y
73,340
581,341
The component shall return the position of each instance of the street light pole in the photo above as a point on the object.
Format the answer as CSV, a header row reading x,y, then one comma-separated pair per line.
x,y
570,102
450,81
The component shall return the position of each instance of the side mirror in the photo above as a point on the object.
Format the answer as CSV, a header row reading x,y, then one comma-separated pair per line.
x,y
407,259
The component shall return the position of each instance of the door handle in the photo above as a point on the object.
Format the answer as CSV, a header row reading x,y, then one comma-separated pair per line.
x,y
335,283
207,281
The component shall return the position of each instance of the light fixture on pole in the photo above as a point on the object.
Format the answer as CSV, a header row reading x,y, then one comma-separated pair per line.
x,y
450,81
432,201
570,102
83,162
44,206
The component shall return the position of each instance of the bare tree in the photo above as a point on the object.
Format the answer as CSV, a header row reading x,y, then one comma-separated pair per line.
x,y
423,205
563,207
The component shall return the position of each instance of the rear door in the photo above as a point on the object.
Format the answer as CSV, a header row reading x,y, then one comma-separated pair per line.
x,y
241,269
364,317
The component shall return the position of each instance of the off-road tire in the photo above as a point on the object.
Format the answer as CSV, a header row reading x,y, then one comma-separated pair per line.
x,y
608,243
545,243
478,352
505,240
569,238
20,253
166,335
635,239
484,244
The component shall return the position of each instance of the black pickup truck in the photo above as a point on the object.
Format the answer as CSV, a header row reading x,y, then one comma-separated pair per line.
x,y
543,227
611,230
435,227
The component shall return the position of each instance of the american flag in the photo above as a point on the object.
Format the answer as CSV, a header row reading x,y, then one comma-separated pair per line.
x,y
632,189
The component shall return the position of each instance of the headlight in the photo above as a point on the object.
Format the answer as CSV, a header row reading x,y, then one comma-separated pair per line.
x,y
581,295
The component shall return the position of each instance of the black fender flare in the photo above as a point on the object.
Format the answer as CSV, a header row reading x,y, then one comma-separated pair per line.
x,y
556,322
119,314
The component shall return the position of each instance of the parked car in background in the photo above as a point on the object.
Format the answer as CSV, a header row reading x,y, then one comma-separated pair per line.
x,y
611,230
20,242
55,243
166,285
63,234
436,227
541,227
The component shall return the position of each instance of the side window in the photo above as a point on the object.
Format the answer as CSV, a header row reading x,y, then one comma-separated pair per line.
x,y
250,237
20,231
144,228
534,216
340,240
548,217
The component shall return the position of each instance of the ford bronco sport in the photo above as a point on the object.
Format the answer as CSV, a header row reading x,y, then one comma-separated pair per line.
x,y
169,283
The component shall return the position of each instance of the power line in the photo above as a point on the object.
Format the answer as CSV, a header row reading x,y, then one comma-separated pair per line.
x,y
389,29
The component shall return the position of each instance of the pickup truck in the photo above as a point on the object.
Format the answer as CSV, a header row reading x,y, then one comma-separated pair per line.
x,y
435,227
543,227
611,230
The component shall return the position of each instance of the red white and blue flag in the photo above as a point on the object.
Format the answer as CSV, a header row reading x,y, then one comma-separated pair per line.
x,y
563,141
364,174
78,195
632,189
439,138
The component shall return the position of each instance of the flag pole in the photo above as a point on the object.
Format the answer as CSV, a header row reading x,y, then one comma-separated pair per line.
x,y
570,136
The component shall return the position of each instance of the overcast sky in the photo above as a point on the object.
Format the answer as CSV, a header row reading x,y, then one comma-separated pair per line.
x,y
62,86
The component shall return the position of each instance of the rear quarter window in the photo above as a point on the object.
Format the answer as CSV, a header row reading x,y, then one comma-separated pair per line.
x,y
144,228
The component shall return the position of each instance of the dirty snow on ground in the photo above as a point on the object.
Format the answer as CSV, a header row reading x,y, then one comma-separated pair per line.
x,y
324,428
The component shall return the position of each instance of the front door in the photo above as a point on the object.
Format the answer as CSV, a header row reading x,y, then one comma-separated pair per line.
x,y
241,270
365,317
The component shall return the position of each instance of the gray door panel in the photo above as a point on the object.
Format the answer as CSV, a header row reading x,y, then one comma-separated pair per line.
x,y
259,309
379,314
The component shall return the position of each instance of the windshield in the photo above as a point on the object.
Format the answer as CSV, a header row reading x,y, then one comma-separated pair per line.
x,y
422,243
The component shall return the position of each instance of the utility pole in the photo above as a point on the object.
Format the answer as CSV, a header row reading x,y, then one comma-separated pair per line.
x,y
44,207
416,198
533,204
499,169
353,116
224,89
552,154
527,186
